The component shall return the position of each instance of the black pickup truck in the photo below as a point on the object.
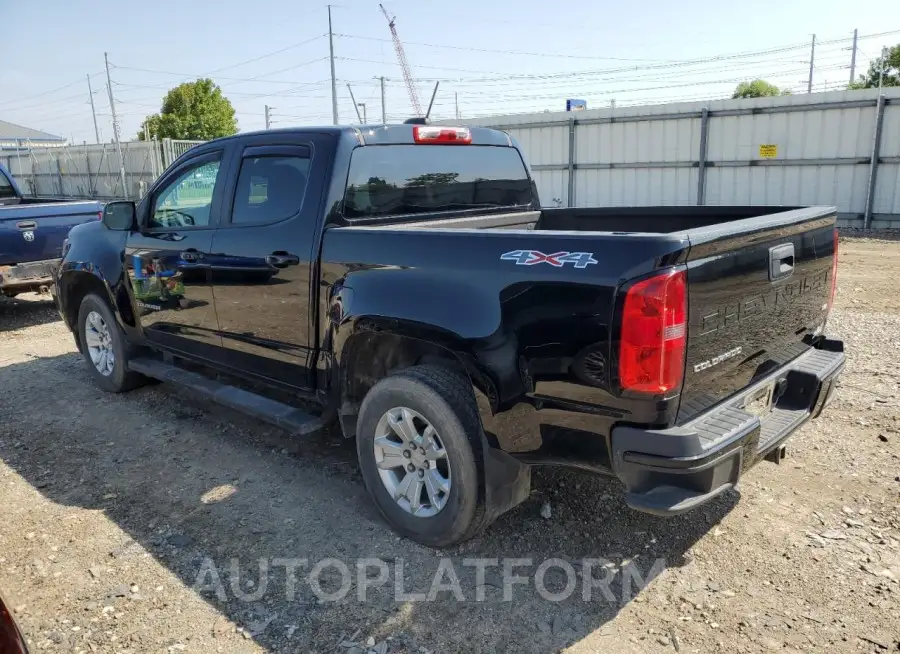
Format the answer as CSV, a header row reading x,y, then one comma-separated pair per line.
x,y
404,281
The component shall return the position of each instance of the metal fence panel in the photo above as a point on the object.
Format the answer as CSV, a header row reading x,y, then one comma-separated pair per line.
x,y
799,149
550,143
890,136
887,197
553,187
635,186
178,148
92,171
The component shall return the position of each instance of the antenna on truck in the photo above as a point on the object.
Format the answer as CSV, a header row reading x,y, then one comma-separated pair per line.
x,y
423,120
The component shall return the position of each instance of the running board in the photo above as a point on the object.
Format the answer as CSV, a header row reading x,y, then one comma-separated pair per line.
x,y
285,416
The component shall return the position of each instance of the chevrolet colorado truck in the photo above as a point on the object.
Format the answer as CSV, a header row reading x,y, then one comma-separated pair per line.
x,y
404,282
32,231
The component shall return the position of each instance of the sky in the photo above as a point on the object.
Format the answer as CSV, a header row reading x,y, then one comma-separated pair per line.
x,y
499,57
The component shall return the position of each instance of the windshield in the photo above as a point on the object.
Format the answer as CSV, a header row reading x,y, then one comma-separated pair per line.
x,y
390,180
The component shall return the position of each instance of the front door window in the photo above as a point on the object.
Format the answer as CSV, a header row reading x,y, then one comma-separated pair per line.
x,y
187,200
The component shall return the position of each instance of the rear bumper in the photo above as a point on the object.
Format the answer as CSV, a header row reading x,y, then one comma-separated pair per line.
x,y
670,471
31,276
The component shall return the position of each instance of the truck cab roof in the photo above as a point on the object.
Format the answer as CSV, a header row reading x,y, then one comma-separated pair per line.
x,y
382,134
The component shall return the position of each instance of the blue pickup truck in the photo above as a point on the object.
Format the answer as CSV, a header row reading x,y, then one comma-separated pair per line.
x,y
32,232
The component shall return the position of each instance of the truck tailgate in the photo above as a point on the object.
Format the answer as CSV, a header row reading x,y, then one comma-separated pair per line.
x,y
35,232
758,297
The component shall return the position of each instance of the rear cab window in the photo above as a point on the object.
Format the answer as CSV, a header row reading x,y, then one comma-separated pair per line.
x,y
395,180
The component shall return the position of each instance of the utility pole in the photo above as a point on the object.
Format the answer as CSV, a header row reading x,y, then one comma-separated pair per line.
x,y
93,110
456,103
812,60
363,105
334,111
268,116
383,110
885,53
853,58
355,106
115,120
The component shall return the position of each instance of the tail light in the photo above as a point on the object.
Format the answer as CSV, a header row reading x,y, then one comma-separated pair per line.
x,y
654,334
834,262
444,135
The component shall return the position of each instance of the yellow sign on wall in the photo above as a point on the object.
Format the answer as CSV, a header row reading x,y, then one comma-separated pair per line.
x,y
769,151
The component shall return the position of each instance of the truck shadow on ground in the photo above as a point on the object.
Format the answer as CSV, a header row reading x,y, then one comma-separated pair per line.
x,y
25,311
222,502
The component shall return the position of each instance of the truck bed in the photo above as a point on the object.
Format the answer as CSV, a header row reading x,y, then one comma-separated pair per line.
x,y
744,319
656,220
659,220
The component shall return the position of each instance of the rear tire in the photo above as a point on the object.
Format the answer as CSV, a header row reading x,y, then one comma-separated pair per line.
x,y
441,399
104,347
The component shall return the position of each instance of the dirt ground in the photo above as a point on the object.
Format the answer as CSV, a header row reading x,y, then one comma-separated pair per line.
x,y
113,507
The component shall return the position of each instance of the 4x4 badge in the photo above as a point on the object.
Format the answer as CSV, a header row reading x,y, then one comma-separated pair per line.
x,y
557,259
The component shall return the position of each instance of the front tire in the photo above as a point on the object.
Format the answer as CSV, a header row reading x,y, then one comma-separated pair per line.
x,y
414,441
104,347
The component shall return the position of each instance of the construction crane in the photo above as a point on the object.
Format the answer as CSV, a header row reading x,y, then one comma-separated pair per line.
x,y
404,64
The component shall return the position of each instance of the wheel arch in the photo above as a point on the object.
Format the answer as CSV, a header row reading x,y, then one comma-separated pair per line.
x,y
74,284
373,352
376,350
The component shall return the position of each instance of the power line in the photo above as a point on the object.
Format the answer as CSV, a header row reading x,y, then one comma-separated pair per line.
x,y
268,54
592,77
257,78
657,66
520,53
308,85
394,63
503,85
665,85
80,96
45,93
232,79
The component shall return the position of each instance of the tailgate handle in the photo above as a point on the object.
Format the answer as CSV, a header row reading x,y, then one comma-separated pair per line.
x,y
781,261
26,224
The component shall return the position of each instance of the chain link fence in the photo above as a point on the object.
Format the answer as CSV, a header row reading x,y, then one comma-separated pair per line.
x,y
92,171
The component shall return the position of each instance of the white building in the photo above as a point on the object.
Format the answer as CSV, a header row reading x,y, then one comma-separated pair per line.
x,y
13,137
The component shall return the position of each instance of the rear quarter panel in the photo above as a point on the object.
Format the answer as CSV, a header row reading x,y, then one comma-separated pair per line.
x,y
522,330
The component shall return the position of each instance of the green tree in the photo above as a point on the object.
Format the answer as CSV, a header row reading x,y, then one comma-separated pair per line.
x,y
193,110
891,72
758,88
432,178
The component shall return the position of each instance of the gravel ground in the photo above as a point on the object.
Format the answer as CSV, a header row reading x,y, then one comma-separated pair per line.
x,y
114,507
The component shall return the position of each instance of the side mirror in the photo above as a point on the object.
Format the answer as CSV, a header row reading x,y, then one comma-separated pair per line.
x,y
119,215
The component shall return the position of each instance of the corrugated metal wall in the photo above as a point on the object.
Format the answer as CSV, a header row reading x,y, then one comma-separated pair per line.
x,y
887,195
652,155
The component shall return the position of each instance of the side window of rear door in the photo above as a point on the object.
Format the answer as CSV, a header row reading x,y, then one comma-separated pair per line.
x,y
271,186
